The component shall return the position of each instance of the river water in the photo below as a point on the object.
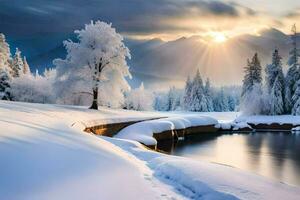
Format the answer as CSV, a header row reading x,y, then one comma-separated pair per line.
x,y
272,154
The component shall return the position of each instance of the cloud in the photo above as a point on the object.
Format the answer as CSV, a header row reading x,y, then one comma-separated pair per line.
x,y
293,14
129,16
216,8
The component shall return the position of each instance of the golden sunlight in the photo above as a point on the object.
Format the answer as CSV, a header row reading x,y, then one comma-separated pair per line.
x,y
218,37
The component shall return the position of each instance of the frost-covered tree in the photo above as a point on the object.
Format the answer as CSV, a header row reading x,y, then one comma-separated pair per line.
x,y
160,101
97,60
139,99
5,80
293,74
296,100
208,96
274,71
276,98
5,56
253,75
17,64
275,84
173,99
252,93
5,69
232,103
221,101
294,53
198,103
26,68
187,94
168,101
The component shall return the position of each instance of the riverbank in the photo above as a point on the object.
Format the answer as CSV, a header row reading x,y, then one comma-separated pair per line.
x,y
174,125
45,154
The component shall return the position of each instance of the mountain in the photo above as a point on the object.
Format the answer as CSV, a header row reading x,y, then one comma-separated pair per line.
x,y
160,64
222,63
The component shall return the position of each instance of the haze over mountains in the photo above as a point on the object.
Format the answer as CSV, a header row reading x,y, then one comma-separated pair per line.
x,y
160,64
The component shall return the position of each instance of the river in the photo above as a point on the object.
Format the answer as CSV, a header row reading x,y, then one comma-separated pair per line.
x,y
272,154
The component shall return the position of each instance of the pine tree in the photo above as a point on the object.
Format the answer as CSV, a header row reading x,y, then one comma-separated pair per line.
x,y
293,72
197,94
231,103
5,56
274,71
208,96
274,75
276,98
253,75
221,101
173,99
26,68
187,94
252,95
17,64
296,100
5,84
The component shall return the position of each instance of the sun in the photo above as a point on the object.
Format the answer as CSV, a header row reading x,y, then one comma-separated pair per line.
x,y
218,37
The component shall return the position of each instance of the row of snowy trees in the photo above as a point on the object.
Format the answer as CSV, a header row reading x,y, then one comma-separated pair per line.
x,y
280,94
10,68
198,97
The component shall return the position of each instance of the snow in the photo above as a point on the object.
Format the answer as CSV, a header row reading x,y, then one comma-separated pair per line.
x,y
266,119
296,129
240,125
143,131
45,155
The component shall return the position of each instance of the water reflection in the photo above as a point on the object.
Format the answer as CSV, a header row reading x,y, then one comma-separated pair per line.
x,y
272,154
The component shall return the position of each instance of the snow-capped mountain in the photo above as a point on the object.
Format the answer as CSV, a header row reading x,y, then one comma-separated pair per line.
x,y
157,62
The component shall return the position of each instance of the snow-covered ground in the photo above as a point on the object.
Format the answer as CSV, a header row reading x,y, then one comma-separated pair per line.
x,y
44,154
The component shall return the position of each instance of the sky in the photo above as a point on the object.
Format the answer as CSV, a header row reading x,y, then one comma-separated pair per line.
x,y
166,19
212,21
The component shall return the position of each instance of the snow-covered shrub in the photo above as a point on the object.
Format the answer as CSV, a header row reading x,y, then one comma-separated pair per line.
x,y
139,99
254,102
34,89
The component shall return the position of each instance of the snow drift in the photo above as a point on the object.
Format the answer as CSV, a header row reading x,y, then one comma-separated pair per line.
x,y
143,131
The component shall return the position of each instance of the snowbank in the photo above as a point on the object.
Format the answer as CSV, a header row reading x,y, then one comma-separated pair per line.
x,y
143,131
240,125
44,157
264,119
296,129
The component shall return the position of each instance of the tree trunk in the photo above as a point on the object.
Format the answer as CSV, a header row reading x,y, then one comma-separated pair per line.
x,y
95,99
